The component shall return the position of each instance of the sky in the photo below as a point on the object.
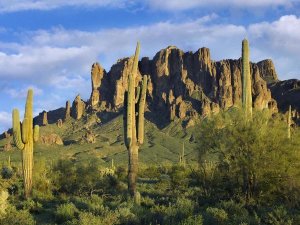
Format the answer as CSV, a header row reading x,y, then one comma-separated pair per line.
x,y
50,45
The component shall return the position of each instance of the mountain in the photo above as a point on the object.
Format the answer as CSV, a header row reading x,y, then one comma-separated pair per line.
x,y
184,85
183,88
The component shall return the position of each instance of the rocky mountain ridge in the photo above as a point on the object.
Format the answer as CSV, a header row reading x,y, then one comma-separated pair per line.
x,y
185,85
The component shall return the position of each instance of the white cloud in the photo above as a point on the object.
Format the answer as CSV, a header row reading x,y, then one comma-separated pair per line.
x,y
21,5
5,120
279,40
191,4
22,92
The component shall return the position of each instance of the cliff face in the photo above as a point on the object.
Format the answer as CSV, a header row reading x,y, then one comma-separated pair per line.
x,y
182,85
286,93
188,84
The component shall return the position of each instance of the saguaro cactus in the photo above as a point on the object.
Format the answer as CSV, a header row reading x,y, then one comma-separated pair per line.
x,y
289,122
24,140
246,80
182,156
134,123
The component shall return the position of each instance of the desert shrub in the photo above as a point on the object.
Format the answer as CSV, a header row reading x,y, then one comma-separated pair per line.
x,y
193,220
7,172
216,216
17,217
87,218
255,158
31,205
65,212
83,178
173,213
43,185
278,216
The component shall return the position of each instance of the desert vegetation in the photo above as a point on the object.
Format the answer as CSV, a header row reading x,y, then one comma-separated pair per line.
x,y
239,165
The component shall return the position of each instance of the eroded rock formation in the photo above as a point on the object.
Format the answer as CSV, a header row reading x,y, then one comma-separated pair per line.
x,y
97,74
182,84
78,108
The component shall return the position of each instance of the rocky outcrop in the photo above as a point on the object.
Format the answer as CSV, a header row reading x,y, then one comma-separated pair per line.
x,y
182,84
67,110
51,139
78,108
45,118
286,93
267,71
97,74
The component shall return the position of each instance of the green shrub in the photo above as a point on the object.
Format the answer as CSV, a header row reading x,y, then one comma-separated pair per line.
x,y
7,172
193,220
17,217
216,215
279,216
65,212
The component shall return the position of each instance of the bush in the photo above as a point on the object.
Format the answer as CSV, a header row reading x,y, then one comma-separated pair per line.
x,y
7,172
193,220
65,212
17,217
216,215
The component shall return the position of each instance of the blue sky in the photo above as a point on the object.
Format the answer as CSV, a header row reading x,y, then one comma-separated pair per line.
x,y
50,45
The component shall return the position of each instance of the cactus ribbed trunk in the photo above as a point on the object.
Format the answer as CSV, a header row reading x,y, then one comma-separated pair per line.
x,y
246,80
289,122
24,141
133,134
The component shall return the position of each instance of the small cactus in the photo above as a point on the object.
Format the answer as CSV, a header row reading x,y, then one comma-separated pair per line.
x,y
289,122
24,140
181,156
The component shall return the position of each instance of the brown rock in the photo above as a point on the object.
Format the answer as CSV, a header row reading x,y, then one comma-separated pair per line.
x,y
89,137
97,74
51,139
45,118
78,108
68,110
7,147
267,71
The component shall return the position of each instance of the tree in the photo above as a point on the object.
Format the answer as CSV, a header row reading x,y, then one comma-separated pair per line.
x,y
255,156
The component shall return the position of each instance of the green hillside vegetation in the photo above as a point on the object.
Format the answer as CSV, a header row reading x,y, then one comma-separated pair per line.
x,y
236,172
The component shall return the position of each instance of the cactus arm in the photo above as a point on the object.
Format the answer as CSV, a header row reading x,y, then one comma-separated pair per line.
x,y
17,130
25,130
142,111
29,105
137,94
36,133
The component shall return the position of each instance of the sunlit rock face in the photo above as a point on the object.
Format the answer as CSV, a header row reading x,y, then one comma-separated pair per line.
x,y
184,84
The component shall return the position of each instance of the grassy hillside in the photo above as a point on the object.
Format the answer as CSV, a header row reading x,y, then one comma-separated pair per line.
x,y
161,145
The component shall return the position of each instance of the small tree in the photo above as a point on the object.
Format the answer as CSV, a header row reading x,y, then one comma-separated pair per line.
x,y
255,156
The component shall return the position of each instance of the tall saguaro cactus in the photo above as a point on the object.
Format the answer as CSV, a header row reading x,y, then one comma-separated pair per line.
x,y
289,122
24,139
134,122
246,80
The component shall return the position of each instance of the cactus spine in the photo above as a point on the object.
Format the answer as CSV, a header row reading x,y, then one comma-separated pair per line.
x,y
289,121
24,140
246,80
134,124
